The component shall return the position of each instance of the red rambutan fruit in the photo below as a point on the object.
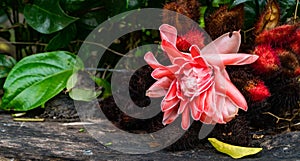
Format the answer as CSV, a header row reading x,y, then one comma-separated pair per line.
x,y
295,43
189,9
195,37
268,62
224,20
257,90
289,62
278,36
192,37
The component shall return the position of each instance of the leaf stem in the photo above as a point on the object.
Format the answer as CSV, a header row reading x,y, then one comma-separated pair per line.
x,y
296,11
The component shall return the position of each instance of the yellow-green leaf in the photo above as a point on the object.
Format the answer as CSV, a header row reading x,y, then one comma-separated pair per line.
x,y
232,150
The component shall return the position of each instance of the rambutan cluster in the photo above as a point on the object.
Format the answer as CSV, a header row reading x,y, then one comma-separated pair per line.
x,y
278,49
279,66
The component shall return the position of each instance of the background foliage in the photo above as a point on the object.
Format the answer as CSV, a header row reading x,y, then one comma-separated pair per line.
x,y
56,28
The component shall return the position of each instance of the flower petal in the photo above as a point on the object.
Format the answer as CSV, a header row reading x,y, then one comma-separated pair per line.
x,y
185,123
171,50
162,72
194,110
195,52
227,43
182,106
168,33
170,99
225,87
150,59
200,101
233,59
159,88
169,116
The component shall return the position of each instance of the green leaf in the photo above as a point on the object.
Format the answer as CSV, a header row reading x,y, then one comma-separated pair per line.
x,y
104,84
202,17
79,6
37,78
91,20
84,94
63,38
287,9
232,150
237,2
6,64
47,16
252,12
80,87
216,3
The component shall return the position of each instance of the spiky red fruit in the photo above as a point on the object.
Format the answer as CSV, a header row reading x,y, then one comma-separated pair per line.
x,y
295,43
195,37
289,62
278,36
182,7
268,61
257,90
192,37
297,71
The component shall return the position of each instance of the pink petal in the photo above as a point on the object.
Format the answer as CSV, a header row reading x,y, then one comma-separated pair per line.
x,y
230,110
161,72
206,119
159,88
185,123
200,102
182,106
233,59
150,59
171,51
221,107
168,33
170,99
208,83
224,44
169,116
195,52
210,102
194,110
225,87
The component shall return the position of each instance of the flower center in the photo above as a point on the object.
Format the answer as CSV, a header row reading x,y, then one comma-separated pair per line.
x,y
194,81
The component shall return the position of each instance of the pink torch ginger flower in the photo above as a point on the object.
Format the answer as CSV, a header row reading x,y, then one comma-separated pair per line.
x,y
196,84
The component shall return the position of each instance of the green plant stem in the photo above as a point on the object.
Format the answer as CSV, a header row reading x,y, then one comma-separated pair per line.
x,y
11,27
296,11
8,16
28,43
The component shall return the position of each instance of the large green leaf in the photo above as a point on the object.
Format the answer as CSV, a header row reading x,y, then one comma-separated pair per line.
x,y
37,78
6,64
47,16
252,12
